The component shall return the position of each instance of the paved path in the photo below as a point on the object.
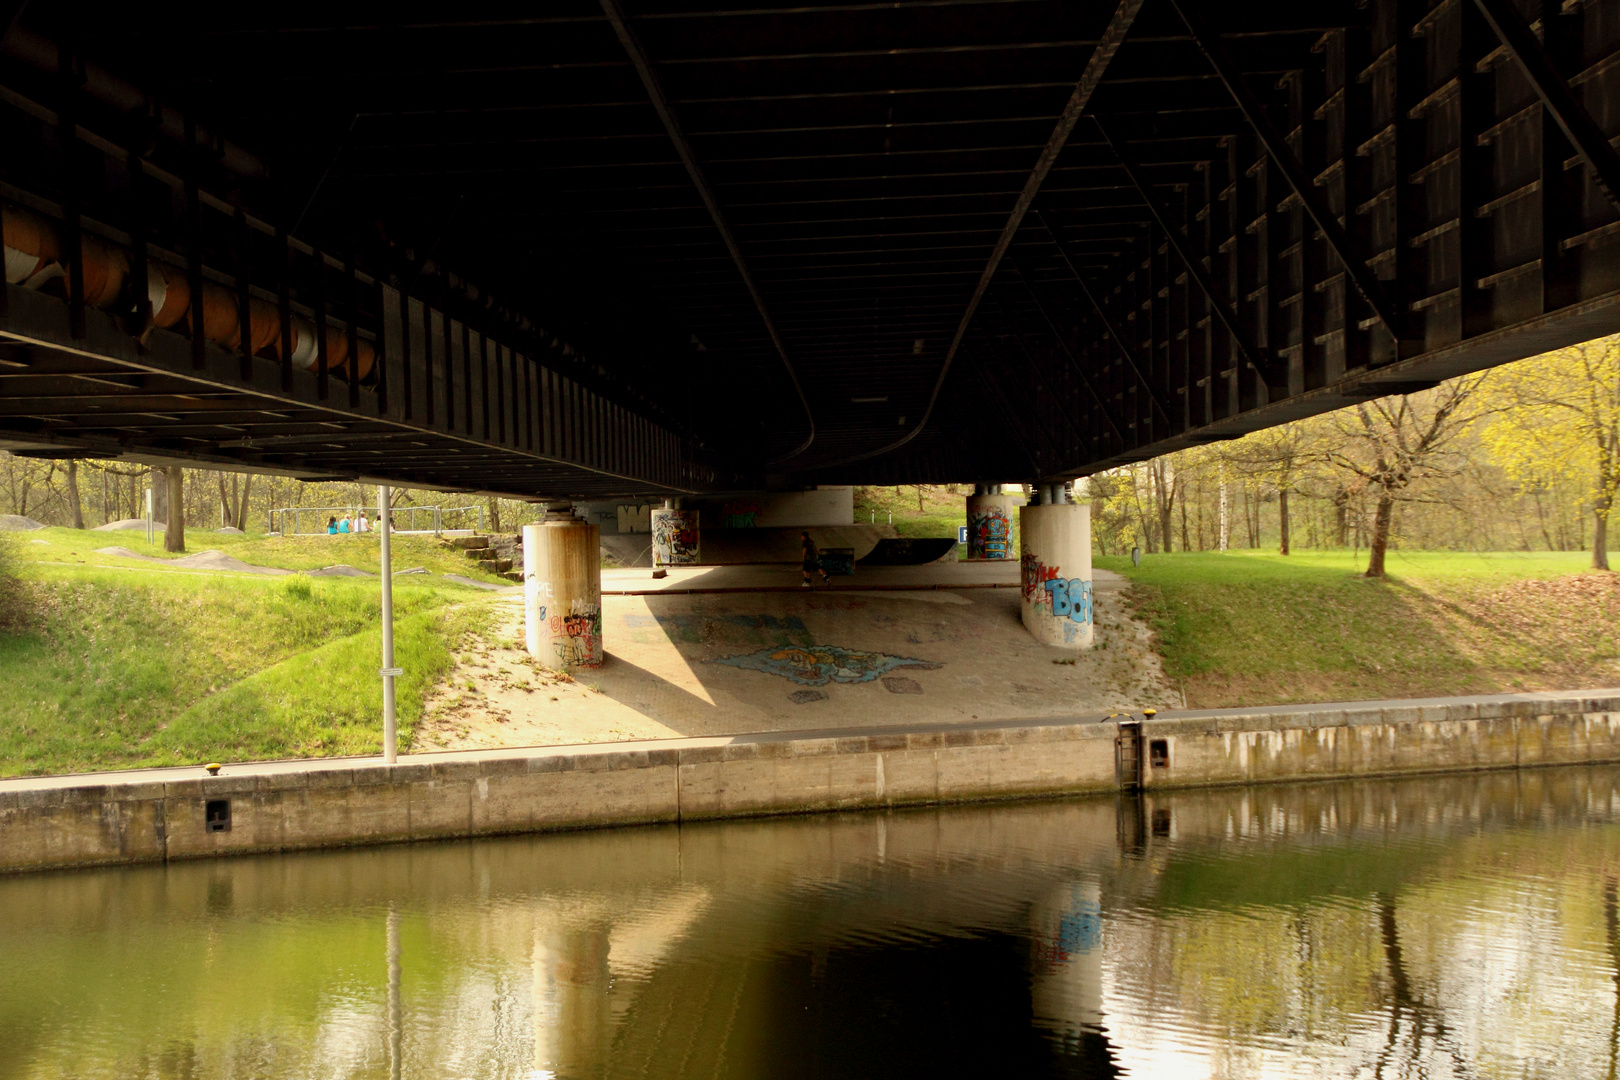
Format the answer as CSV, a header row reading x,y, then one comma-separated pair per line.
x,y
925,644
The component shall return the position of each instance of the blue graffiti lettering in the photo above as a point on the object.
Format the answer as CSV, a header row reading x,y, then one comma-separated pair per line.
x,y
1071,598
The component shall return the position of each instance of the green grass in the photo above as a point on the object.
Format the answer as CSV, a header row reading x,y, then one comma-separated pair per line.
x,y
1254,628
132,667
79,547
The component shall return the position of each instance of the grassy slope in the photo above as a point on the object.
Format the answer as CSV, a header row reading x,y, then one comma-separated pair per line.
x,y
130,663
1246,628
942,513
290,553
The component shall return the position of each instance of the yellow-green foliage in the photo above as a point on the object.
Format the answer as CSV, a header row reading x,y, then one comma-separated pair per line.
x,y
1559,419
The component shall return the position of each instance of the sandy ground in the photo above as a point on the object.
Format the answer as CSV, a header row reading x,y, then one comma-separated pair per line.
x,y
944,655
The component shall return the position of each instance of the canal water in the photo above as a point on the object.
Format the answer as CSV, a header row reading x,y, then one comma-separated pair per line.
x,y
1443,927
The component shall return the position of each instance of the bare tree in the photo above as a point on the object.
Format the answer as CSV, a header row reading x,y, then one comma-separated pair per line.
x,y
1391,442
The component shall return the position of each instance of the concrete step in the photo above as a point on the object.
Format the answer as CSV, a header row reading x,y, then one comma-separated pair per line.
x,y
468,543
514,575
495,566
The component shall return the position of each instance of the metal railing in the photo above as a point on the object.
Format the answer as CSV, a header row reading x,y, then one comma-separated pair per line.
x,y
435,519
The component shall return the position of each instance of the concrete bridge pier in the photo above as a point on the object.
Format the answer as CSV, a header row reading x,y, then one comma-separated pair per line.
x,y
562,590
675,536
1055,569
989,523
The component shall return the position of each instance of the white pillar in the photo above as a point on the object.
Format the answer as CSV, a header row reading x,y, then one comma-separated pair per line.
x,y
675,536
1055,573
562,592
390,729
989,524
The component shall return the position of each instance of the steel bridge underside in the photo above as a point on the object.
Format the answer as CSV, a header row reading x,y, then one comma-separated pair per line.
x,y
659,249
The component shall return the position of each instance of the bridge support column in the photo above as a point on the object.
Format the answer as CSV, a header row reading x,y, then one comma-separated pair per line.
x,y
1055,572
989,524
674,537
562,591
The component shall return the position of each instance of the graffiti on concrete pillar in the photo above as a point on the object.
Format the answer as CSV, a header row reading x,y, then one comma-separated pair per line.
x,y
675,537
1032,578
1046,587
989,533
576,638
1070,599
739,515
635,519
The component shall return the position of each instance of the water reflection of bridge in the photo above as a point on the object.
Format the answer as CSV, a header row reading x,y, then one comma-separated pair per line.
x,y
1041,939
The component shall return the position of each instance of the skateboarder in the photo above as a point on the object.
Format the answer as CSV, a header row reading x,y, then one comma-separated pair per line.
x,y
811,560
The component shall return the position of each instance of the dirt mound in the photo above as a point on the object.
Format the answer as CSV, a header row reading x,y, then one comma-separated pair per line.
x,y
340,570
18,523
125,553
232,529
218,560
202,560
130,523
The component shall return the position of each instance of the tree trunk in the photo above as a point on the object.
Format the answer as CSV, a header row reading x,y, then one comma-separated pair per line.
x,y
1600,537
1282,518
73,493
494,514
174,537
1380,533
227,510
242,503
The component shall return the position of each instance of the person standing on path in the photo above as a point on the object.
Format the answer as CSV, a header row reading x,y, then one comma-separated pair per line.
x,y
811,560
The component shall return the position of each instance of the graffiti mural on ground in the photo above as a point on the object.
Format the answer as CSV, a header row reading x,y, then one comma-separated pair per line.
x,y
576,638
989,533
675,537
818,665
739,515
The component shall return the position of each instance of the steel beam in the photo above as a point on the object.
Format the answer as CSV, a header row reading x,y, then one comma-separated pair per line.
x,y
631,41
1046,373
1258,359
1102,315
1114,36
1360,274
1574,121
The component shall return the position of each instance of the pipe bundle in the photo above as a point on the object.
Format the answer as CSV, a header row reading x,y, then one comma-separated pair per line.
x,y
35,259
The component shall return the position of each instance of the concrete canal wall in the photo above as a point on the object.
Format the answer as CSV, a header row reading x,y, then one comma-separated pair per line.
x,y
159,814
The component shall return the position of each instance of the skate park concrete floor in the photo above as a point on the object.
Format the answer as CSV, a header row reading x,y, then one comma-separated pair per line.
x,y
935,643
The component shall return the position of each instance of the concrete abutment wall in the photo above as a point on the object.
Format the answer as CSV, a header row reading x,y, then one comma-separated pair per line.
x,y
154,815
